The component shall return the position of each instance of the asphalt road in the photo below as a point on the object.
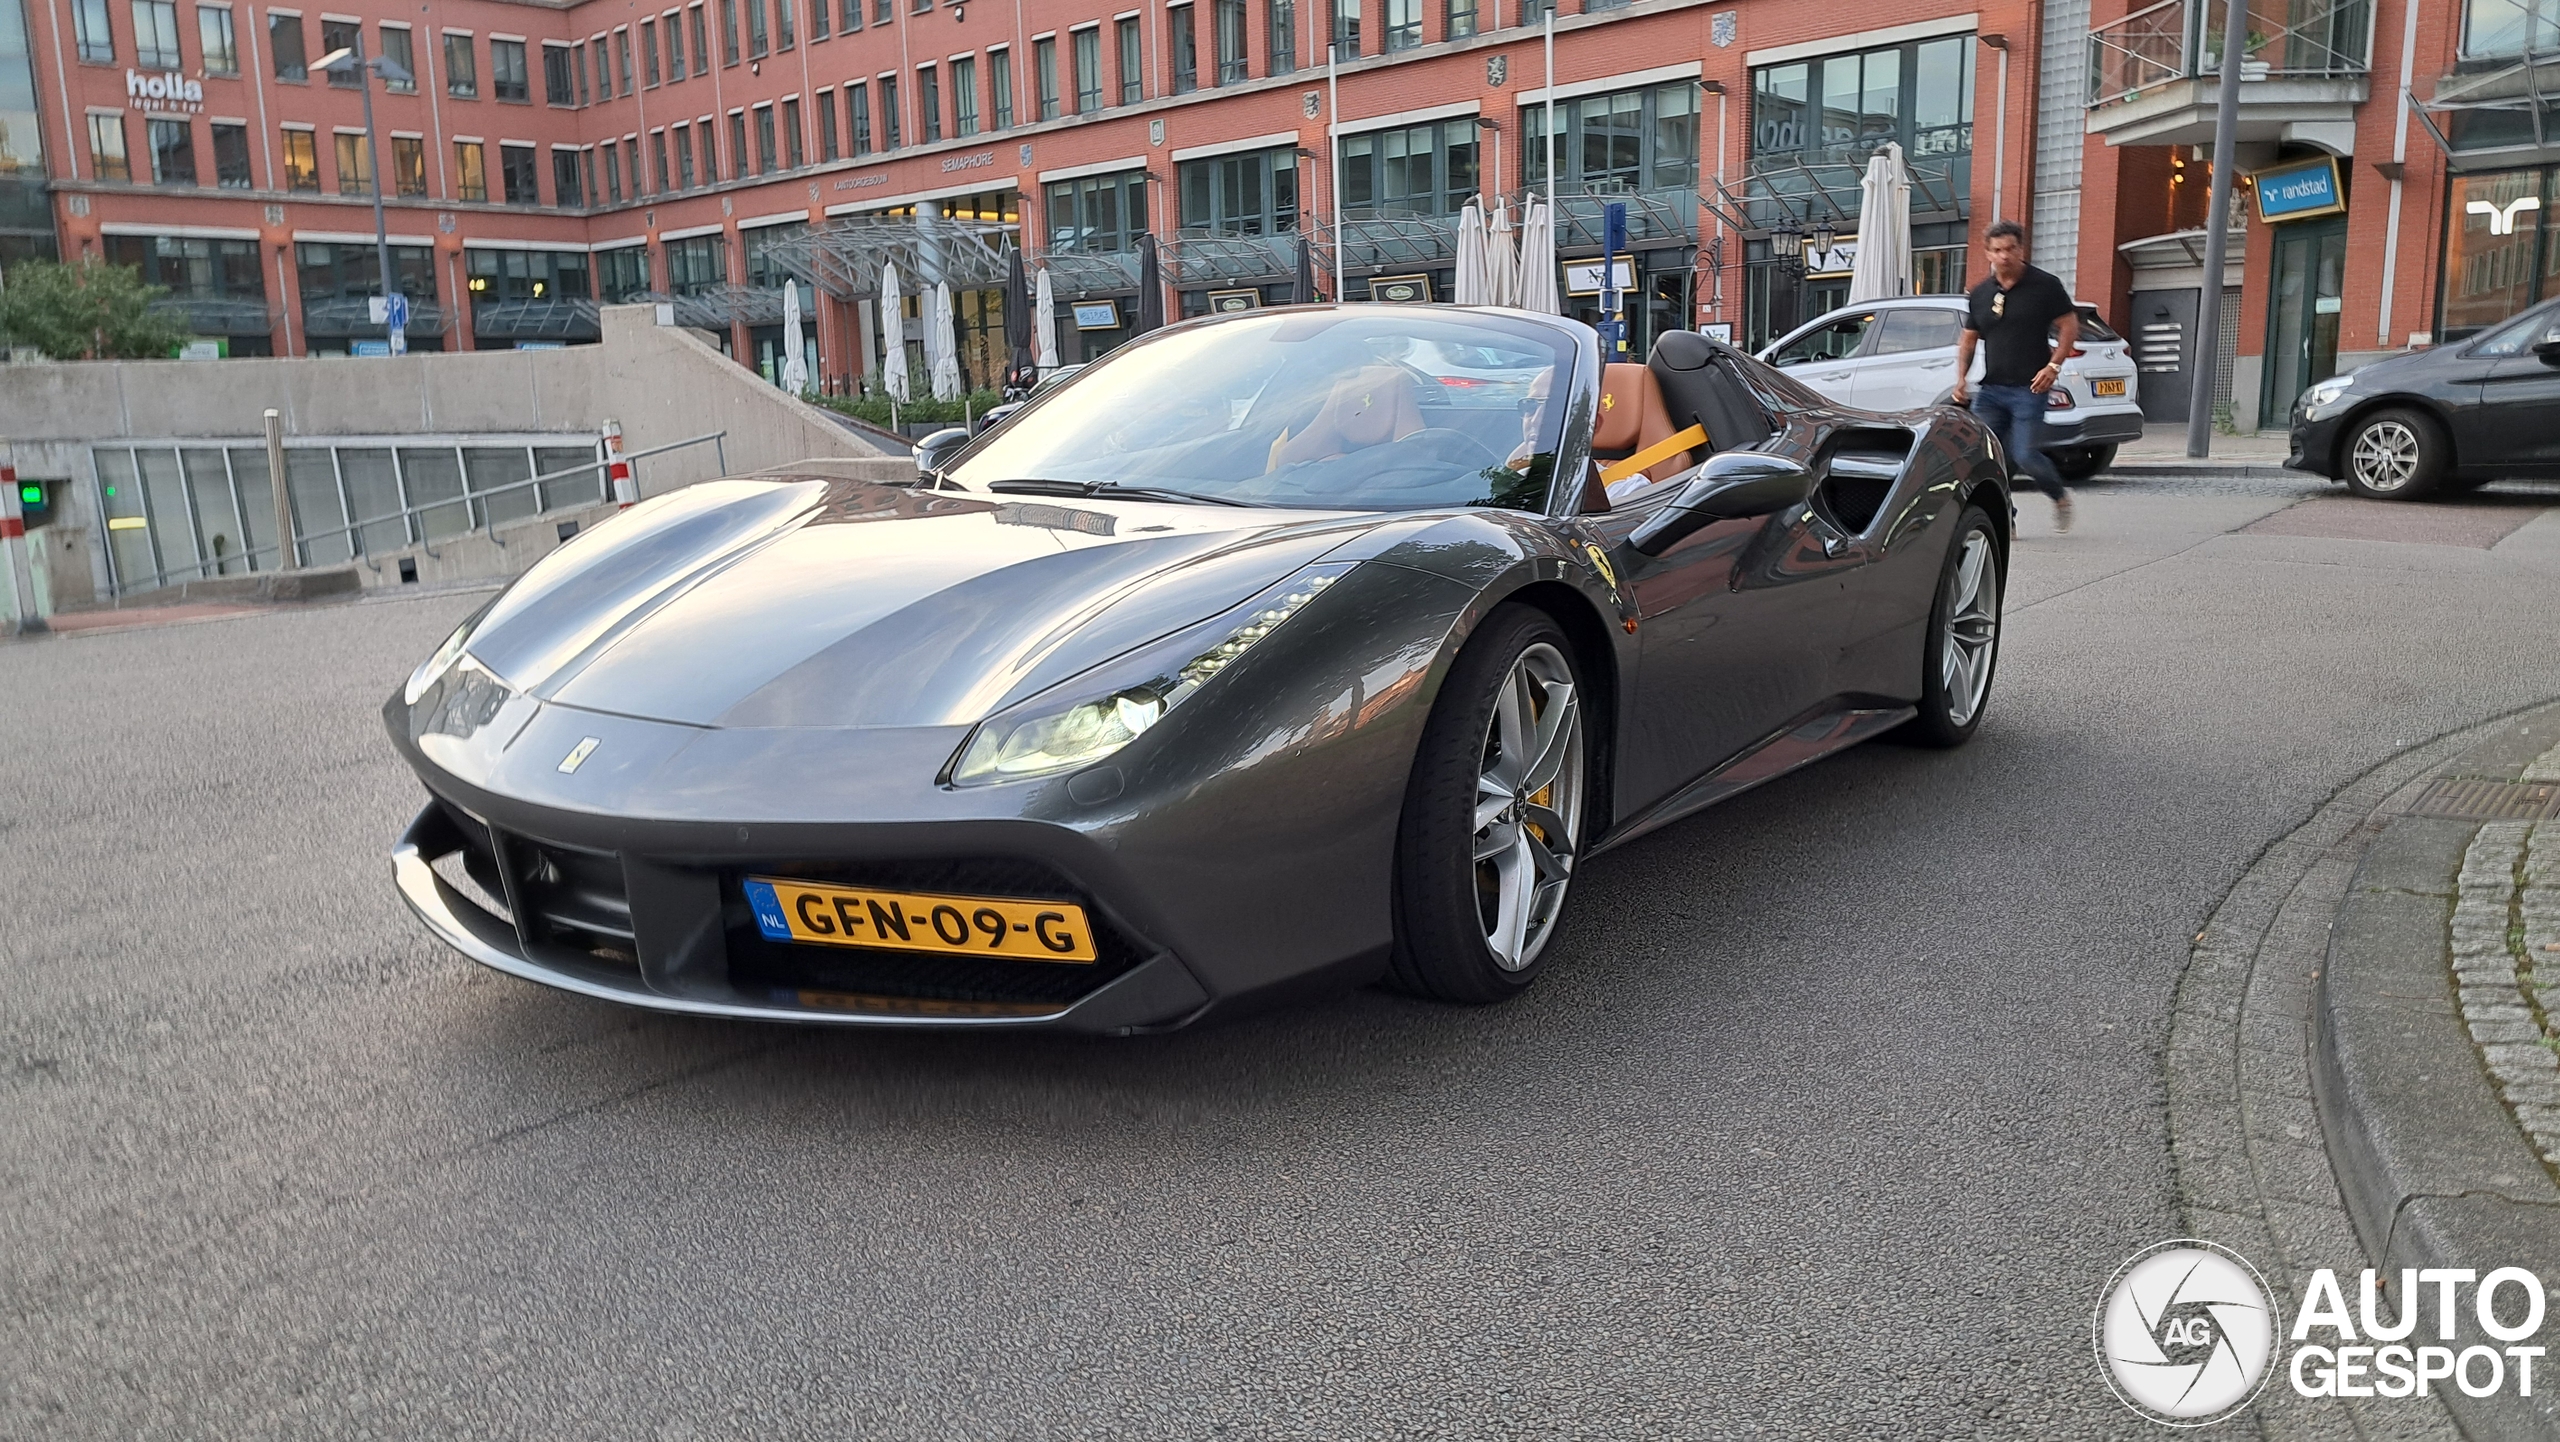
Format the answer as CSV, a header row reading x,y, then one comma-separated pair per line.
x,y
1835,1110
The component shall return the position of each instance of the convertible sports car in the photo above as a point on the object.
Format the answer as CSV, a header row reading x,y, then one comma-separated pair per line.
x,y
1302,647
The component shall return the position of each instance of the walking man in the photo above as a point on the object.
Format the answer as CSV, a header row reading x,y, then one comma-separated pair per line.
x,y
2010,315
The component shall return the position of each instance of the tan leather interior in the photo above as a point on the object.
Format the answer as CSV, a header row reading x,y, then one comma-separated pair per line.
x,y
1369,407
1634,415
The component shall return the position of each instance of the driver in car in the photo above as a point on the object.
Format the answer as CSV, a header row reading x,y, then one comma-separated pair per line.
x,y
1373,406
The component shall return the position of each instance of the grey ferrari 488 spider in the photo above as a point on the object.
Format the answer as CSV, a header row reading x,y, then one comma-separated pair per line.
x,y
1301,647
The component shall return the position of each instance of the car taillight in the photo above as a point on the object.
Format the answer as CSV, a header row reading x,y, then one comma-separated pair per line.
x,y
2058,399
1460,383
2077,351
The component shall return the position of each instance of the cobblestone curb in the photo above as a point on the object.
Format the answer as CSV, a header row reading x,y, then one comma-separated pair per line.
x,y
2506,911
2429,1058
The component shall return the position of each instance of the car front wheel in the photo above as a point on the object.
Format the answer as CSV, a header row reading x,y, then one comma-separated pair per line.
x,y
2395,455
1494,815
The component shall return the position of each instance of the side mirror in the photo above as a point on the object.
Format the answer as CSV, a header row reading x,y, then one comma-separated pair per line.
x,y
2549,349
934,449
1729,487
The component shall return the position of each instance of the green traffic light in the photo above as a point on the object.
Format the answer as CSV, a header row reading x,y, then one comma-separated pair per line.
x,y
32,495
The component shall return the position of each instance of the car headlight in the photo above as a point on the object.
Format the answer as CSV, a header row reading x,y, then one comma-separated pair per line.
x,y
433,669
1083,720
2323,392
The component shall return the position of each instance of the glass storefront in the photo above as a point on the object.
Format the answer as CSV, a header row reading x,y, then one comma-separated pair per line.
x,y
2499,255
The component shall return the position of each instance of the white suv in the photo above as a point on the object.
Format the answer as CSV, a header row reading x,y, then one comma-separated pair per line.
x,y
1899,355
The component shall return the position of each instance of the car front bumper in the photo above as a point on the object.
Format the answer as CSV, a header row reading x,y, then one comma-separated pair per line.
x,y
2314,445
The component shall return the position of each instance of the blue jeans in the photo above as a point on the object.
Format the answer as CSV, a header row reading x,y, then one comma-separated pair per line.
x,y
2016,415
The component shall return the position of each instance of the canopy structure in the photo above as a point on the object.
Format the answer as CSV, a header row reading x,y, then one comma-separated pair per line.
x,y
2526,93
1794,192
1076,274
718,307
844,257
1198,258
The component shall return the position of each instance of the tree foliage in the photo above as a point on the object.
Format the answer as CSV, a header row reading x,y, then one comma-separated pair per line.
x,y
88,311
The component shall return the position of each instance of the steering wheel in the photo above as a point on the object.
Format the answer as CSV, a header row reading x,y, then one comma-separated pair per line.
x,y
1441,443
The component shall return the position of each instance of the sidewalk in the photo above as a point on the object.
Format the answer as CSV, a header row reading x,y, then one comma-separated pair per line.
x,y
2162,451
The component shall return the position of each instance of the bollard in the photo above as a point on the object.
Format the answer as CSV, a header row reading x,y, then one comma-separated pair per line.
x,y
624,491
14,552
285,556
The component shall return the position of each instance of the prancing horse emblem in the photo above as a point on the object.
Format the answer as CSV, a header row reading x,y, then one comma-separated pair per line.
x,y
578,755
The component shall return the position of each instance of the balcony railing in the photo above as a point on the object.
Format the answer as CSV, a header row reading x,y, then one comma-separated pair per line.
x,y
2176,40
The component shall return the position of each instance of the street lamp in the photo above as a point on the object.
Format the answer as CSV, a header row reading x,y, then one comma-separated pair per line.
x,y
346,58
1819,243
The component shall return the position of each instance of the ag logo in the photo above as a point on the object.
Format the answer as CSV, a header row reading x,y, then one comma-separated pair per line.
x,y
2185,1332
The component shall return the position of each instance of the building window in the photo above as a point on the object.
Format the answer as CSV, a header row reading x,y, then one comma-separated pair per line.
x,y
964,96
397,49
701,41
355,164
557,88
1252,194
193,269
155,35
922,6
284,41
408,165
578,73
106,148
794,149
697,263
507,77
522,277
1346,29
857,117
213,36
848,15
461,72
1413,170
817,18
1186,49
883,11
1133,74
758,43
1088,61
173,152
1404,24
1099,214
231,156
1044,77
1630,140
97,36
649,53
301,160
631,162
517,171
612,174
1232,65
337,35
728,32
1834,112
1284,36
604,71
828,148
928,103
1461,19
765,158
470,170
783,38
675,45
711,153
658,161
622,274
2504,27
738,145
1000,86
756,248
684,157
888,112
335,271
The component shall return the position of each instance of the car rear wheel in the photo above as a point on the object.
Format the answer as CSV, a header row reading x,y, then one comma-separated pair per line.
x,y
1494,815
2395,455
1963,645
2079,463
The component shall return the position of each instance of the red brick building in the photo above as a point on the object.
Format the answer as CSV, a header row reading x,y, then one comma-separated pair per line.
x,y
544,158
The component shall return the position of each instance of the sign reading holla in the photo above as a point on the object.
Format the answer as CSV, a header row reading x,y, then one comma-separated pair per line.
x,y
168,90
2298,192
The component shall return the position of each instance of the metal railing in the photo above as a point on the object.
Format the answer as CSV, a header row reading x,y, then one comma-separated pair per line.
x,y
2177,40
411,518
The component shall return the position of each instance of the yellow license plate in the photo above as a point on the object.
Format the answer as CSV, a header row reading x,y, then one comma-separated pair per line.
x,y
2107,388
815,912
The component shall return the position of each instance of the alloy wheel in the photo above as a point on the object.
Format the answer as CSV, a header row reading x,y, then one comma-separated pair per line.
x,y
1973,628
1528,817
2385,455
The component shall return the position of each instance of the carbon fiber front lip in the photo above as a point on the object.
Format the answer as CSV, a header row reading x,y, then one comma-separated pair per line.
x,y
1120,1006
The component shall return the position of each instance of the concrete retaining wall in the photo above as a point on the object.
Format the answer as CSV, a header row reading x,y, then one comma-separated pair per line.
x,y
664,384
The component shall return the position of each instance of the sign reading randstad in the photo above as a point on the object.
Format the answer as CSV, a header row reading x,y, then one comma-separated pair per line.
x,y
2299,191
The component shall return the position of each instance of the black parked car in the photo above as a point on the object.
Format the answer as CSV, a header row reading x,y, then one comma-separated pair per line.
x,y
2451,418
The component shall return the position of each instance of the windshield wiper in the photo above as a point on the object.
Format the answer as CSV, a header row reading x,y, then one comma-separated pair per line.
x,y
1112,490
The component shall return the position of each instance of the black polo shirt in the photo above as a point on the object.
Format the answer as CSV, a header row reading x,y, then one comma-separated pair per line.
x,y
2015,325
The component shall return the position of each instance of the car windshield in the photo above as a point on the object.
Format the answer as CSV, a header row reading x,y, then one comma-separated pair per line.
x,y
1360,408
